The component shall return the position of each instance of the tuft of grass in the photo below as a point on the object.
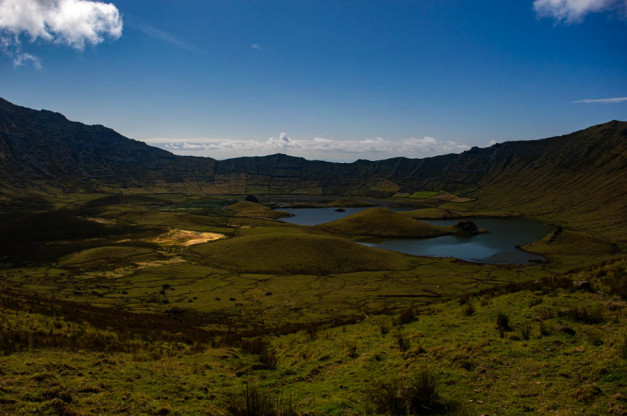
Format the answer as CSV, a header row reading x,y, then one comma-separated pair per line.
x,y
403,342
352,351
256,402
468,310
525,332
265,351
406,317
622,348
416,395
269,358
585,315
502,322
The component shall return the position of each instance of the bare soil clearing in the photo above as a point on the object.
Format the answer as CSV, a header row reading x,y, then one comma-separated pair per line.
x,y
186,238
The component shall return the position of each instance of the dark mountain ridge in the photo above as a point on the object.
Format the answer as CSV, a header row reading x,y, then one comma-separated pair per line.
x,y
579,173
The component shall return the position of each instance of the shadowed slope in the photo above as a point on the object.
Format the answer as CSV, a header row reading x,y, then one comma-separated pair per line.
x,y
579,179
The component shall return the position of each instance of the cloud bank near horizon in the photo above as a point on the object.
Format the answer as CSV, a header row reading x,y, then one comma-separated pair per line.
x,y
573,11
73,23
314,149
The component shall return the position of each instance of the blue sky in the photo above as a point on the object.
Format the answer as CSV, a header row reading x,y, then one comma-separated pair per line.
x,y
324,79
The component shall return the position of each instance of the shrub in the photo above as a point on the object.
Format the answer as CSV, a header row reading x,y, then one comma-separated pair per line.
x,y
525,332
468,310
406,317
268,358
502,322
384,329
586,316
595,339
352,351
464,299
256,402
262,348
403,342
254,345
417,395
312,332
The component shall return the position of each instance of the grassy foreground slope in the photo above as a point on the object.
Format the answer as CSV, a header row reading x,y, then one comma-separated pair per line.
x,y
544,348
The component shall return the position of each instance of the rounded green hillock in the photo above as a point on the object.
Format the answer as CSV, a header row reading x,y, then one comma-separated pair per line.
x,y
299,253
380,222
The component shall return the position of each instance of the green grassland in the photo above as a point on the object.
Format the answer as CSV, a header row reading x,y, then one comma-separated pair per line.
x,y
562,351
98,315
380,222
255,210
423,194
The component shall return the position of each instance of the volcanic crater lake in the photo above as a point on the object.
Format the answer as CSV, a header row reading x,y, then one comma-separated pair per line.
x,y
497,246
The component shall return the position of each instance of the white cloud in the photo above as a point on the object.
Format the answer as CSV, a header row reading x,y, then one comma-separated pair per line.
x,y
74,23
616,100
255,46
317,148
283,142
573,11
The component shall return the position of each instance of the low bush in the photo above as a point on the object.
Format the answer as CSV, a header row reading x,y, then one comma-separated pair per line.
x,y
525,332
502,322
406,317
256,402
585,315
416,395
468,310
263,348
403,342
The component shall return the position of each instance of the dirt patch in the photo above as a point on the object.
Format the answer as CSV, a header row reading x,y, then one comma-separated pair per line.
x,y
186,238
100,220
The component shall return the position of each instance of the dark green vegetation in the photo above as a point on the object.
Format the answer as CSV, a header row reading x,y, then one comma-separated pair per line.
x,y
379,222
133,281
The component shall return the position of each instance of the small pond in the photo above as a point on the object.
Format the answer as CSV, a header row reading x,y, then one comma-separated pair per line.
x,y
497,245
315,216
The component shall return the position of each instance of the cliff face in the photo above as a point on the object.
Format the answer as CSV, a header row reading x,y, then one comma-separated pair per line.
x,y
580,173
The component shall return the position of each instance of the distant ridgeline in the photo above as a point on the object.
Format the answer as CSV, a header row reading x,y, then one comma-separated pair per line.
x,y
581,172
